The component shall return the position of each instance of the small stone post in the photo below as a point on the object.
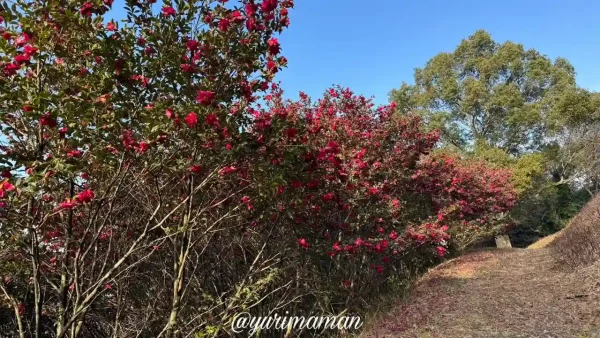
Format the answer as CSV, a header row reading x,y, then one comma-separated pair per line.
x,y
503,242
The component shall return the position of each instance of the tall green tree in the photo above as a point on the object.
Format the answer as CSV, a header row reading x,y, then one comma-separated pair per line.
x,y
504,95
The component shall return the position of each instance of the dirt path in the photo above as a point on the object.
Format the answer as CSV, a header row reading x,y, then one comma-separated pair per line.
x,y
499,293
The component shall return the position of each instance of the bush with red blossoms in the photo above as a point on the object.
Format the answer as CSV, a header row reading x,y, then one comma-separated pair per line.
x,y
359,191
129,144
147,192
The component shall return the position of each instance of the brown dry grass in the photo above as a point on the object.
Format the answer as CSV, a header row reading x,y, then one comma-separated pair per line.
x,y
579,244
498,293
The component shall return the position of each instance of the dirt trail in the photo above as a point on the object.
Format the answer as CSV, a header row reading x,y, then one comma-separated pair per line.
x,y
499,293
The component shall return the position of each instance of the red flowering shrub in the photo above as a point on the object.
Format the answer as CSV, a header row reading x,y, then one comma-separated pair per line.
x,y
145,185
356,189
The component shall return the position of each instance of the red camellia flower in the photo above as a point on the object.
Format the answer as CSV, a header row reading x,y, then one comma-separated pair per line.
x,y
111,27
303,243
29,50
441,251
251,24
268,5
74,153
47,120
237,17
85,196
11,68
212,120
143,147
68,204
224,24
272,66
169,113
191,119
205,97
21,58
86,9
274,47
188,68
192,45
227,170
168,11
6,186
196,169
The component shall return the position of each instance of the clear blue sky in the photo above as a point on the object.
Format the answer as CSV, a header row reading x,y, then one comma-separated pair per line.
x,y
372,46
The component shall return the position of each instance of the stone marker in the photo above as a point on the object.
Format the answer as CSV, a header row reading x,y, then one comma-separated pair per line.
x,y
503,242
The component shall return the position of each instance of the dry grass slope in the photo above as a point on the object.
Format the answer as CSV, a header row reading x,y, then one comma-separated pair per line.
x,y
549,290
579,244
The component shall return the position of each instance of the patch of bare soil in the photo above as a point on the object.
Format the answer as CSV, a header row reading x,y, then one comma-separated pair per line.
x,y
498,293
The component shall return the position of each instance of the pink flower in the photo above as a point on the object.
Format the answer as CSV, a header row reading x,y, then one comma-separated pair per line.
x,y
168,11
205,97
191,119
111,27
169,113
303,243
441,251
143,147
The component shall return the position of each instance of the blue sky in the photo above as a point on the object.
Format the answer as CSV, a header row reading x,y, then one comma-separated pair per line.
x,y
372,46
